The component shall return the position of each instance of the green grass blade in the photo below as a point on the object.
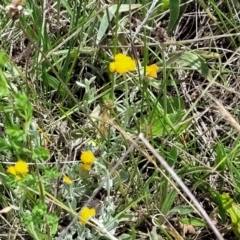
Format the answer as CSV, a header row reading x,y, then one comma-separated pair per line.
x,y
174,6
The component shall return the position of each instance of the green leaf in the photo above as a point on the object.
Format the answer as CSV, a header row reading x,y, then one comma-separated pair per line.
x,y
50,173
23,106
222,212
176,11
233,209
173,104
196,222
173,154
164,5
16,133
194,62
174,6
3,59
6,108
4,145
3,84
171,125
169,200
40,153
52,221
220,155
181,210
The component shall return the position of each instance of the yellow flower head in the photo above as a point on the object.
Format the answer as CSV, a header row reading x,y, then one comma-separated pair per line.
x,y
119,57
112,67
11,170
87,157
85,214
21,167
86,167
121,67
67,180
122,64
131,64
151,70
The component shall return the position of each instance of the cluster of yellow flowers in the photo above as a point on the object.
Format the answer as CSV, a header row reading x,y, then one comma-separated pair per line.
x,y
20,168
123,64
85,214
87,159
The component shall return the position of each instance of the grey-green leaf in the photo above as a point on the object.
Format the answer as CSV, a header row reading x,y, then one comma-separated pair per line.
x,y
195,62
110,13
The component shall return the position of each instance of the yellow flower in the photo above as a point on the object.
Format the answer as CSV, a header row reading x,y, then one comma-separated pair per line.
x,y
67,180
21,167
112,67
121,67
122,64
86,167
11,170
151,70
131,64
87,157
85,214
120,57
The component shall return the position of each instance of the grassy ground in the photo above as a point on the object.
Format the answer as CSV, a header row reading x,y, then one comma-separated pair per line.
x,y
60,105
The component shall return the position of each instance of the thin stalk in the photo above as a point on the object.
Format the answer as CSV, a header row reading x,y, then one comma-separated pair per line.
x,y
183,186
126,100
